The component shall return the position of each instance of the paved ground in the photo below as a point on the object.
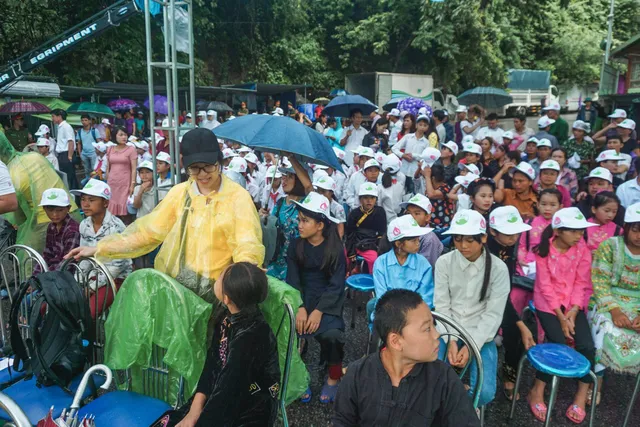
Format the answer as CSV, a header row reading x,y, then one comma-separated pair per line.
x,y
610,413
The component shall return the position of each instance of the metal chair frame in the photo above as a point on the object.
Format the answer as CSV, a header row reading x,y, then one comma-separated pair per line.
x,y
632,401
18,417
287,362
461,334
23,262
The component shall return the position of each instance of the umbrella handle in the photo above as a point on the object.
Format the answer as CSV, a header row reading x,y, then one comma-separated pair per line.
x,y
83,385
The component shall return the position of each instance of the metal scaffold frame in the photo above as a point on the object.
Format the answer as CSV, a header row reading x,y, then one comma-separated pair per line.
x,y
171,67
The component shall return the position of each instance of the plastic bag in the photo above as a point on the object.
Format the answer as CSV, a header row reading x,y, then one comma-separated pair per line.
x,y
574,161
31,174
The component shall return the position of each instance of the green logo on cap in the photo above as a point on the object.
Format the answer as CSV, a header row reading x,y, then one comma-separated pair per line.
x,y
89,185
414,223
52,196
414,199
461,221
597,172
579,217
512,219
306,200
369,188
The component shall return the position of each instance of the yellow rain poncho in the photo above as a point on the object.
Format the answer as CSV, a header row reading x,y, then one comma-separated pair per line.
x,y
31,174
218,229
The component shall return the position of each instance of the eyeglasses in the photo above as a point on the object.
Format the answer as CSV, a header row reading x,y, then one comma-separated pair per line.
x,y
195,170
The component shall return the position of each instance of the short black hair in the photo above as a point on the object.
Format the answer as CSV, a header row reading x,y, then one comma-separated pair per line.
x,y
391,311
59,112
439,114
85,116
521,117
245,284
354,112
492,116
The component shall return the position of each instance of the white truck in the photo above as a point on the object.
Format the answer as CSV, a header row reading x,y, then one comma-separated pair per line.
x,y
385,88
530,90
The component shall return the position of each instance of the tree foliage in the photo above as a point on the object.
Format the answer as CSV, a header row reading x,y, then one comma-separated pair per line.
x,y
462,43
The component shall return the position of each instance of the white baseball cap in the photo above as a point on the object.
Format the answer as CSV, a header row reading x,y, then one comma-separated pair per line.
x,y
100,146
244,149
570,218
451,146
467,222
189,115
364,151
272,172
133,139
314,166
96,188
508,134
550,164
391,163
211,113
339,153
238,164
555,106
228,152
55,197
317,203
403,113
146,164
405,227
372,163
618,113
471,168
157,138
526,169
462,109
252,158
545,121
533,139
467,139
472,148
319,174
507,220
627,124
608,155
325,182
394,112
422,111
106,122
202,113
380,156
600,173
632,214
419,200
43,142
43,130
544,142
368,189
141,145
163,157
579,124
466,179
422,117
430,155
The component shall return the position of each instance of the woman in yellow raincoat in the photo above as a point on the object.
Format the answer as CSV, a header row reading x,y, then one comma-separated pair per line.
x,y
203,224
31,174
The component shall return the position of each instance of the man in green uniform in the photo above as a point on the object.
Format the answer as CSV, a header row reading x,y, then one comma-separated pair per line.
x,y
559,129
18,135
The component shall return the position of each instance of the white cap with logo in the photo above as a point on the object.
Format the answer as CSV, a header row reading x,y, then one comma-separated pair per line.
x,y
368,189
618,113
545,121
419,200
163,157
317,203
555,107
394,112
462,109
466,179
472,148
55,197
94,187
570,218
451,146
600,173
526,169
627,124
325,182
467,222
43,142
507,220
371,163
430,155
145,165
405,227
238,164
544,142
43,130
550,164
632,214
391,163
608,155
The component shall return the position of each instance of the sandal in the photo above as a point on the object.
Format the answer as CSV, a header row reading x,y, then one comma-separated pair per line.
x,y
539,411
590,396
508,393
328,393
578,411
306,397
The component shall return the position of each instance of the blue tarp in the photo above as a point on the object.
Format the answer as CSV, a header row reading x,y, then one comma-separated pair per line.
x,y
529,79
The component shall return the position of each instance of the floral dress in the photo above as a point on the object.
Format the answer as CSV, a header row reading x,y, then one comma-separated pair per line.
x,y
288,223
615,273
442,210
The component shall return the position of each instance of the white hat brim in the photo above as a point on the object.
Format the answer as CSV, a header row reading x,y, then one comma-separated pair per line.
x,y
329,217
510,229
414,232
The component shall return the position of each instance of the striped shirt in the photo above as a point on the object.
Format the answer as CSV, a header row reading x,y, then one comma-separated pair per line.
x,y
60,242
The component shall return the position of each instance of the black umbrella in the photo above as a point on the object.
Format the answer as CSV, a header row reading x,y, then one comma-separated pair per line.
x,y
213,105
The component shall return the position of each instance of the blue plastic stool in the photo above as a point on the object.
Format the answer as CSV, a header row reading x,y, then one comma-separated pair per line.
x,y
125,408
557,360
360,283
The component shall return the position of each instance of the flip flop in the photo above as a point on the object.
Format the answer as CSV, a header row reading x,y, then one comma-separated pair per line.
x,y
328,393
307,393
590,395
539,411
577,411
508,393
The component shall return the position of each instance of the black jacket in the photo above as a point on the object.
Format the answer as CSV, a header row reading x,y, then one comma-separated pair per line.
x,y
241,377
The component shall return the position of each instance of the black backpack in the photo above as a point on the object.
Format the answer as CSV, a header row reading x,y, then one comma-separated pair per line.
x,y
60,325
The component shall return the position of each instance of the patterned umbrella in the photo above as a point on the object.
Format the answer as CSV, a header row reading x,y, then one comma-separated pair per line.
x,y
160,104
487,97
90,108
122,104
413,105
26,107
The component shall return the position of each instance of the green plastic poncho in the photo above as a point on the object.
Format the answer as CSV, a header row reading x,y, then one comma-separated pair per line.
x,y
152,308
31,174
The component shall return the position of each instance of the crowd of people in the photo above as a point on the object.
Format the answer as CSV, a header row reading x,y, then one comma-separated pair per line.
x,y
460,217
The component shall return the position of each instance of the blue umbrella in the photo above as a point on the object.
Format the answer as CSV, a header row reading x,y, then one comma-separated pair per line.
x,y
341,106
277,134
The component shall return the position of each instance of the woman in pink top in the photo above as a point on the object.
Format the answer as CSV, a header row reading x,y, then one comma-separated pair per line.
x,y
563,278
122,160
604,207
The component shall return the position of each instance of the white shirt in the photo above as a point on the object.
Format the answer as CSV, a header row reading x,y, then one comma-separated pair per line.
x,y
266,201
101,164
337,211
626,160
442,133
53,160
495,134
63,136
395,130
390,198
340,180
629,192
354,141
412,145
466,123
6,185
352,188
458,284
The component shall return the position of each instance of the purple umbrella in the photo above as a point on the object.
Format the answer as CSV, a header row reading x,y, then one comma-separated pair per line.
x,y
160,104
122,104
27,107
412,105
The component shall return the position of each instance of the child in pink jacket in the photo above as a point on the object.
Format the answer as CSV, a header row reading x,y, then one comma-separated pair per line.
x,y
563,278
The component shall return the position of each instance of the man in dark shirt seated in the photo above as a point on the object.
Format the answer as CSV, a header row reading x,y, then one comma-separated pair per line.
x,y
403,384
